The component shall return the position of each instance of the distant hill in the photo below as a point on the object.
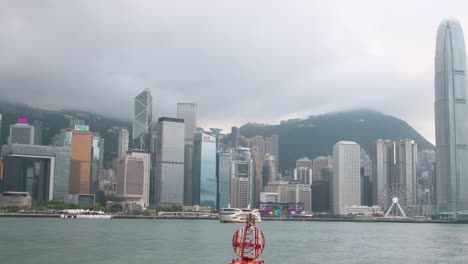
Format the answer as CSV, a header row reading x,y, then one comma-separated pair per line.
x,y
316,135
53,121
310,137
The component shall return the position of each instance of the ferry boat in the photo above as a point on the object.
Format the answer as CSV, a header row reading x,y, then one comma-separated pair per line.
x,y
237,215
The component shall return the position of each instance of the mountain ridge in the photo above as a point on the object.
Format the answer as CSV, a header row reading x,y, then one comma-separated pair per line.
x,y
311,137
316,135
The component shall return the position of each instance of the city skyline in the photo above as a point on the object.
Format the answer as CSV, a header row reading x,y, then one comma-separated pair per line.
x,y
387,51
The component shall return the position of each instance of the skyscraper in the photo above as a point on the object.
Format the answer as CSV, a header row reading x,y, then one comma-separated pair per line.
x,y
142,121
188,113
394,164
146,158
346,176
406,153
303,171
204,187
224,179
130,178
382,166
269,171
241,178
450,118
170,162
272,147
123,142
319,165
80,167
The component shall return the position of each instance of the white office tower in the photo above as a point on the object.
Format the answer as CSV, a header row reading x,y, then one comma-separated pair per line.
x,y
123,142
451,118
346,176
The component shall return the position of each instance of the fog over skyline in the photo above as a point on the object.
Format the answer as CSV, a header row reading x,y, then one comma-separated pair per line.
x,y
241,61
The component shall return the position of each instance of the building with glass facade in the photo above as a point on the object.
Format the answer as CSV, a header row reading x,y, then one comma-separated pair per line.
x,y
204,187
123,142
224,179
142,121
170,162
81,157
43,171
272,147
450,118
319,165
188,112
97,162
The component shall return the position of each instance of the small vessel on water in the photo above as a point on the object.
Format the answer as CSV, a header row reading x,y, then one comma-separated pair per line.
x,y
84,214
237,215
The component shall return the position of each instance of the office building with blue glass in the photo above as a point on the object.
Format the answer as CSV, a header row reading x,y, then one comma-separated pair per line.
x,y
204,186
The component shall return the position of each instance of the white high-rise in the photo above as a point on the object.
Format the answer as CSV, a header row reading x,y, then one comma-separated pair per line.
x,y
123,142
346,176
451,118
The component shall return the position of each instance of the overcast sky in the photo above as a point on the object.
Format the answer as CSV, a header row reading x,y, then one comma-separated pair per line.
x,y
241,61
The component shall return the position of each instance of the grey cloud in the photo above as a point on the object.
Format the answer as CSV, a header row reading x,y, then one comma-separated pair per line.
x,y
240,61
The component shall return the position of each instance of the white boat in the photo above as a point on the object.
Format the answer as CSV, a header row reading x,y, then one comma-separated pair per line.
x,y
86,216
236,215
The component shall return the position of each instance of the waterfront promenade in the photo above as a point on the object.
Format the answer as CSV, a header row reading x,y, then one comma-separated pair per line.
x,y
290,219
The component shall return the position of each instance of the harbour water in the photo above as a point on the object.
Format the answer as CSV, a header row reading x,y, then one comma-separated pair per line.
x,y
106,241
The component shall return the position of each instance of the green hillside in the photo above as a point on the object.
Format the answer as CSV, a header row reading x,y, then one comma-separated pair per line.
x,y
316,135
53,121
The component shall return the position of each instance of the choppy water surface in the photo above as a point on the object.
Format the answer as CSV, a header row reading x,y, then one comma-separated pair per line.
x,y
31,240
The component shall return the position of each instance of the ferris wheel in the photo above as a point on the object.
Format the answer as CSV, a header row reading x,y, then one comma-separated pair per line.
x,y
393,199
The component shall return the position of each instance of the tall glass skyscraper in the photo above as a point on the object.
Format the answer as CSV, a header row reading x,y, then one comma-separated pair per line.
x,y
188,112
170,162
224,179
204,187
450,118
142,121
